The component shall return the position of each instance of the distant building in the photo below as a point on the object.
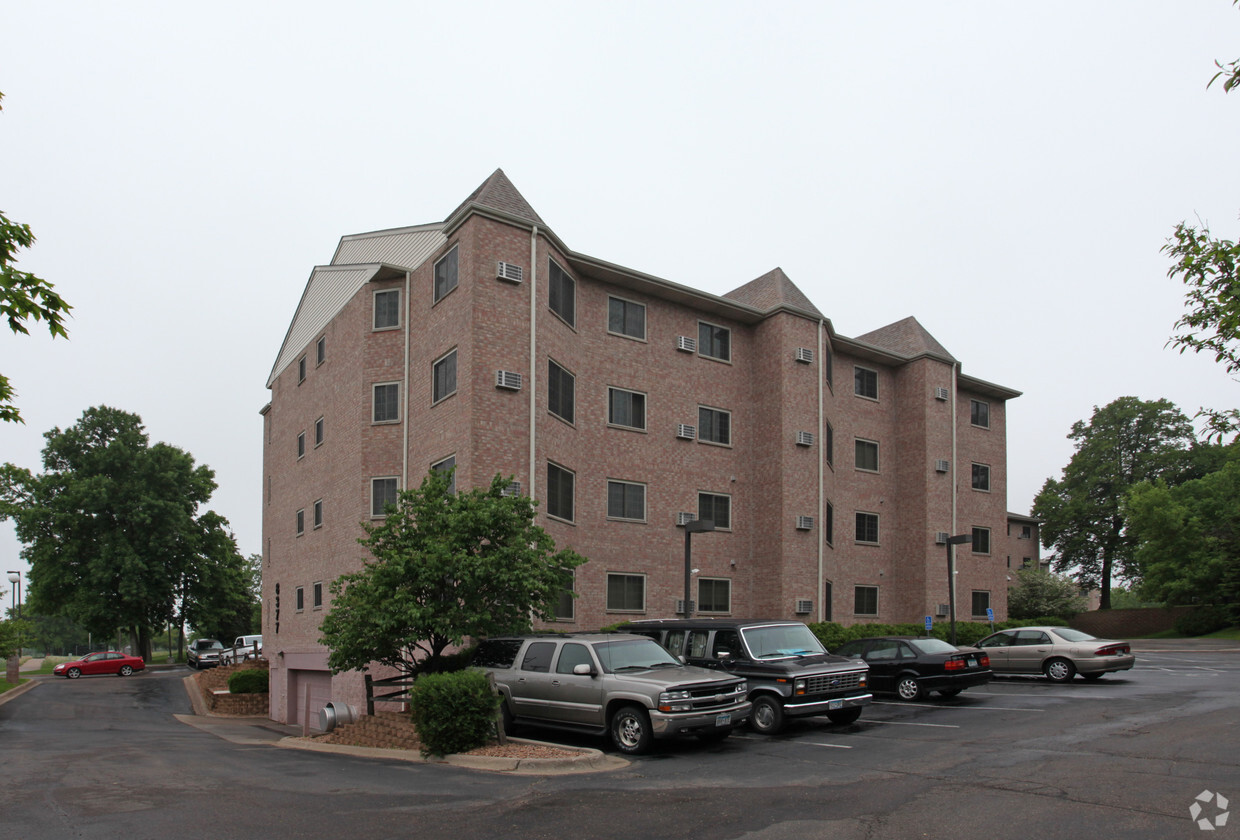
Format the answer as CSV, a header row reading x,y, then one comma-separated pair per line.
x,y
834,468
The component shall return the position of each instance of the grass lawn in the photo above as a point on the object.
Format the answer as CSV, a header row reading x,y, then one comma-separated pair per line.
x,y
1229,633
5,685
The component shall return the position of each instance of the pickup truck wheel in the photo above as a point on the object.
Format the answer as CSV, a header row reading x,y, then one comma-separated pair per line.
x,y
630,730
845,715
767,716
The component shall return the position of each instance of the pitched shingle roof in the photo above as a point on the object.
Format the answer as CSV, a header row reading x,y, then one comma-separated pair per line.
x,y
907,338
498,193
772,290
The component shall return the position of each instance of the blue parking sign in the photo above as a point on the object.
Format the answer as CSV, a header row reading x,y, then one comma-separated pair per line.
x,y
990,614
929,624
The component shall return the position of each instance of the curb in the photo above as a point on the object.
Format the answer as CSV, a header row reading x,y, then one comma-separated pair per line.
x,y
14,693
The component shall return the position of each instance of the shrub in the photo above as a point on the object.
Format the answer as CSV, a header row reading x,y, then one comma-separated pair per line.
x,y
446,663
249,681
1203,620
454,712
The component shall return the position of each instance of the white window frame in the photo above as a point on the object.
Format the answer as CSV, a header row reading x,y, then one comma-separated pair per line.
x,y
607,593
448,463
878,528
704,345
989,539
374,403
395,479
320,350
374,320
859,369
436,294
727,496
626,484
573,400
301,522
702,426
972,412
973,477
320,431
631,392
878,463
572,288
318,513
571,519
877,597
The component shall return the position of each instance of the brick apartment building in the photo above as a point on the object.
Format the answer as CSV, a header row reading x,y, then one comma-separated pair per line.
x,y
833,467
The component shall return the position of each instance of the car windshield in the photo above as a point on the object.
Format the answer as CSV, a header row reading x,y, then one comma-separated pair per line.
x,y
1070,635
634,655
932,645
775,641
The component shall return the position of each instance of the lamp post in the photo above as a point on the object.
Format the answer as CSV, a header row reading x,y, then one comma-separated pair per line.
x,y
14,662
697,526
959,539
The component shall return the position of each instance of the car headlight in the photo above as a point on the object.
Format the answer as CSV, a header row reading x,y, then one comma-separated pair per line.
x,y
675,701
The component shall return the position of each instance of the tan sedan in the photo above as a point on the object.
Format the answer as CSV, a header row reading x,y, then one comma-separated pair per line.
x,y
1060,653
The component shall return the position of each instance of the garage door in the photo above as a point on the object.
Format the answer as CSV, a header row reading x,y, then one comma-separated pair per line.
x,y
312,689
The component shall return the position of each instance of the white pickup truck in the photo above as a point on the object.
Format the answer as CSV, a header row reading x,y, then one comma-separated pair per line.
x,y
242,648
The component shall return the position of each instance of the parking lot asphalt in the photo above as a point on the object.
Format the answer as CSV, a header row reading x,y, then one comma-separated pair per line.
x,y
1126,756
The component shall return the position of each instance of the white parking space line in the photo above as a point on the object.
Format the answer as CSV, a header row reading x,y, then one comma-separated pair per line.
x,y
907,723
832,746
961,708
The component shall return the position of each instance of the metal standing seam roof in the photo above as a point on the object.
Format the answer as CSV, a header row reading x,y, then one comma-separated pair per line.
x,y
359,258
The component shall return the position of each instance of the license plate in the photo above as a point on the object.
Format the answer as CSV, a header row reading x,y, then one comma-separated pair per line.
x,y
724,719
971,661
835,704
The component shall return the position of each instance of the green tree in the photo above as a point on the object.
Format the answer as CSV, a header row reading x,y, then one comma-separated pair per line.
x,y
111,526
444,566
1040,593
23,297
1189,537
1125,443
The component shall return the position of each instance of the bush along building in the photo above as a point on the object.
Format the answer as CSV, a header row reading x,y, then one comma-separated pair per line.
x,y
833,468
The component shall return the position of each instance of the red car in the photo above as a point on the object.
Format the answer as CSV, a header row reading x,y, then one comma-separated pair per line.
x,y
106,662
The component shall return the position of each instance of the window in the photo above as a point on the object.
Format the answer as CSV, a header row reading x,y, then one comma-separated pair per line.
x,y
867,527
572,655
981,603
867,455
386,403
320,350
981,477
714,425
318,595
717,508
301,598
560,492
560,392
445,378
714,595
1026,532
564,608
865,383
318,513
979,413
626,593
301,522
626,408
714,342
301,445
445,274
538,657
387,309
829,366
562,295
830,446
981,540
382,494
624,317
865,600
447,465
301,370
626,500
318,432
830,523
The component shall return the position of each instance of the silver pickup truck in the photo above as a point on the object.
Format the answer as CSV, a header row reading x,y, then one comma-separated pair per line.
x,y
625,686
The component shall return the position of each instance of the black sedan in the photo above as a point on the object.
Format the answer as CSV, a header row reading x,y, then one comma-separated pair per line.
x,y
913,667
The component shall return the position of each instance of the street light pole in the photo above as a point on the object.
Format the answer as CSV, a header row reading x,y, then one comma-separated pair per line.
x,y
959,539
697,526
14,663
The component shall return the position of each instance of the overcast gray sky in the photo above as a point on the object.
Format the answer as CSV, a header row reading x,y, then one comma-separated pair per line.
x,y
1005,172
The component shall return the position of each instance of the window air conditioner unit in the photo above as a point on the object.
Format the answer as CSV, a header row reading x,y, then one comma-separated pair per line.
x,y
805,355
942,394
805,523
687,344
940,538
508,379
508,271
513,489
685,518
805,438
686,432
804,606
942,465
942,610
